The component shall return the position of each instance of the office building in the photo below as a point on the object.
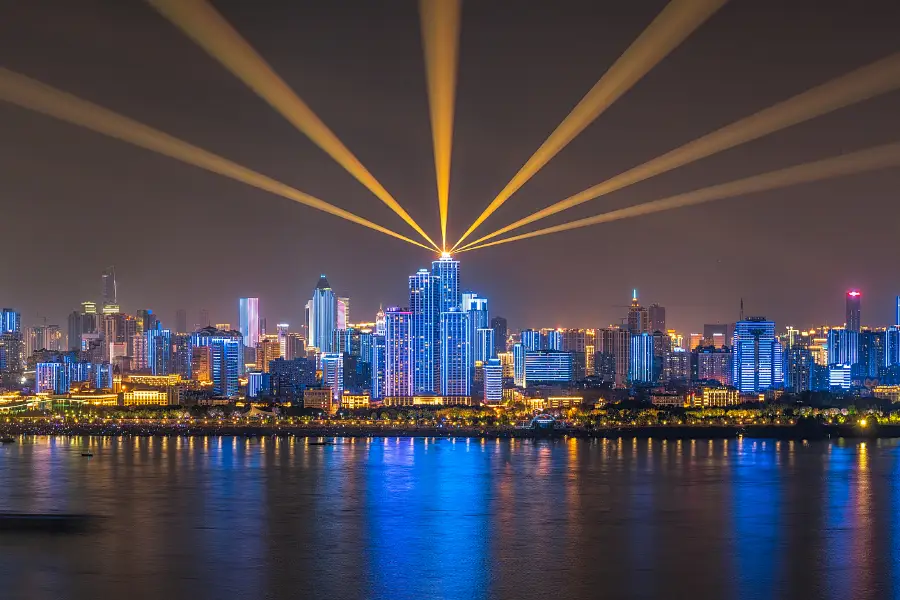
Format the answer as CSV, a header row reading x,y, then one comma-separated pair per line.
x,y
854,298
872,351
843,347
51,378
456,354
518,352
377,366
108,289
343,313
638,317
714,364
717,335
498,324
645,359
493,381
289,378
159,350
613,354
756,356
657,317
248,321
446,269
798,369
553,339
840,377
10,321
398,359
547,367
424,329
268,349
532,340
322,316
319,399
892,346
225,358
333,374
484,345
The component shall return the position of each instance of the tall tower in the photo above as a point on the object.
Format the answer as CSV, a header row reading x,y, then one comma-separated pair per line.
x,y
446,269
456,354
638,317
248,314
424,330
398,376
109,291
853,310
322,316
756,356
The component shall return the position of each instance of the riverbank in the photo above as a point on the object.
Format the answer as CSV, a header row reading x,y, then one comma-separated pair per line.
x,y
661,432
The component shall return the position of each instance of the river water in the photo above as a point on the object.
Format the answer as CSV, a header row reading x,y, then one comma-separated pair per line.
x,y
421,518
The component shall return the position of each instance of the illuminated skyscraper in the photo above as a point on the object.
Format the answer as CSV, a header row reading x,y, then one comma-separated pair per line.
x,y
644,367
282,329
423,330
798,367
483,345
892,346
498,324
51,378
613,354
843,347
554,339
145,320
638,317
456,354
853,310
398,359
108,288
548,367
10,321
378,364
268,349
446,269
248,309
322,316
225,358
518,352
531,340
333,374
714,364
343,313
871,354
756,356
493,381
477,309
159,350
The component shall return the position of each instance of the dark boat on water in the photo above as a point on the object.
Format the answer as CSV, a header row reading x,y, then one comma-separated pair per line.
x,y
49,522
321,443
7,440
87,454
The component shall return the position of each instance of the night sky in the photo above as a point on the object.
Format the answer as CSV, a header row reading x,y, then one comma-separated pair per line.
x,y
75,201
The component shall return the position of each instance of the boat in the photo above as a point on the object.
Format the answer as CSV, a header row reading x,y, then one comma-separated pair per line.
x,y
321,443
52,522
88,454
7,440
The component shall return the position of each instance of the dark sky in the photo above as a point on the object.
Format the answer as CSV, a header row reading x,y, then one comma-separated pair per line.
x,y
74,201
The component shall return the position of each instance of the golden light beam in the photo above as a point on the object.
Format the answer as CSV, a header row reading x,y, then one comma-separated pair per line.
x,y
202,23
440,38
671,27
871,159
34,95
862,84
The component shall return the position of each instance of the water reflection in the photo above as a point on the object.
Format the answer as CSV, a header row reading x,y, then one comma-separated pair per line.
x,y
416,518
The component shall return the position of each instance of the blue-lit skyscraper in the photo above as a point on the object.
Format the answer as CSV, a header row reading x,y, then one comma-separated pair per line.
x,y
51,378
518,351
398,358
892,346
531,340
10,321
446,269
456,354
424,328
754,355
843,347
225,357
484,345
493,381
159,350
641,360
479,318
333,373
377,360
554,339
322,316
854,298
548,367
248,315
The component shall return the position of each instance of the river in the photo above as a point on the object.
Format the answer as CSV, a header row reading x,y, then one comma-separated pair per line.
x,y
224,517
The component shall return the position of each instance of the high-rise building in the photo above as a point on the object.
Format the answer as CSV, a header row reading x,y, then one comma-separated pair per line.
x,y
181,321
872,347
378,358
181,355
145,320
644,367
204,318
108,288
756,356
333,374
446,269
554,339
498,324
853,310
456,354
493,381
290,378
43,337
843,347
10,321
159,350
547,367
532,340
892,346
717,335
12,359
294,346
798,368
897,312
424,329
282,329
657,317
518,352
139,353
398,359
248,314
225,358
268,349
613,353
484,345
714,364
638,316
51,378
322,316
343,313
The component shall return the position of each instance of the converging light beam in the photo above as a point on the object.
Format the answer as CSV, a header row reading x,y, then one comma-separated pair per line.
x,y
862,84
202,23
671,27
871,159
34,95
440,39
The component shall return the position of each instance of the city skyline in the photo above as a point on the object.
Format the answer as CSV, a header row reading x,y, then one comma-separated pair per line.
x,y
490,144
